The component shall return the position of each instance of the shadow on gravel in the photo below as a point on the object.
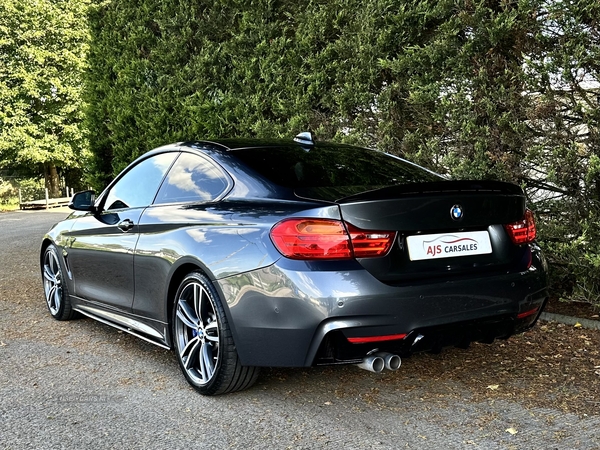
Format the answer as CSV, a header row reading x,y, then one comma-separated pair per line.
x,y
551,366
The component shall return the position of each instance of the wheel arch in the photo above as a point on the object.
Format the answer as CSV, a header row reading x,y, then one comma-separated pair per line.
x,y
178,274
176,278
46,242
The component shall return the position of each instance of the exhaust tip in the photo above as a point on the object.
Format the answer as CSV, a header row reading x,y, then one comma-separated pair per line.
x,y
392,362
374,364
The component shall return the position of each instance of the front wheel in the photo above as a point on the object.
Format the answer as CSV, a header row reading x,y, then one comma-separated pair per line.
x,y
203,341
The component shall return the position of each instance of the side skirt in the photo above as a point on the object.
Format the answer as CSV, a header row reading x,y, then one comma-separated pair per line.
x,y
123,323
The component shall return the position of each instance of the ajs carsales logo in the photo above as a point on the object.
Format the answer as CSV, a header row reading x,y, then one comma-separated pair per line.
x,y
449,245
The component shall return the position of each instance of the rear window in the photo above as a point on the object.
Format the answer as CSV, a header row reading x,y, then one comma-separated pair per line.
x,y
192,179
331,166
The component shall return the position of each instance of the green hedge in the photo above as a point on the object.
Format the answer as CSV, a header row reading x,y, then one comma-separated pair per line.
x,y
473,89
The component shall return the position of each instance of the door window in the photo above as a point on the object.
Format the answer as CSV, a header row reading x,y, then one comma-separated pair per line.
x,y
138,186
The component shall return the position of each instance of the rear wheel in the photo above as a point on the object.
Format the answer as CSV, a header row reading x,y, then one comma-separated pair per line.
x,y
203,341
55,288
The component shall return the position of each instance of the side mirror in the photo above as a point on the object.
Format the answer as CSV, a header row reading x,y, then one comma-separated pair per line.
x,y
83,201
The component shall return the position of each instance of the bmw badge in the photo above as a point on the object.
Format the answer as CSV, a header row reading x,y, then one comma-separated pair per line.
x,y
456,212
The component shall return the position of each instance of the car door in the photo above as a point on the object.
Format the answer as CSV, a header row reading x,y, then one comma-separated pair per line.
x,y
185,216
102,243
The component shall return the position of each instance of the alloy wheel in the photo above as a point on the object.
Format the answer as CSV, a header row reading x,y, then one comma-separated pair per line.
x,y
52,282
197,333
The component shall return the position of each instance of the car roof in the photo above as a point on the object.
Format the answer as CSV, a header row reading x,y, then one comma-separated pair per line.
x,y
236,144
304,139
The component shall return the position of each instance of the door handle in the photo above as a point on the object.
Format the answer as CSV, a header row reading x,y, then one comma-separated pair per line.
x,y
125,225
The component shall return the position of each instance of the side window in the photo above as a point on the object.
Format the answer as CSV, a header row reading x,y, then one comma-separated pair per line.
x,y
138,186
192,179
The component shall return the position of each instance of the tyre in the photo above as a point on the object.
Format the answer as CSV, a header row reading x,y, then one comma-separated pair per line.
x,y
203,340
55,287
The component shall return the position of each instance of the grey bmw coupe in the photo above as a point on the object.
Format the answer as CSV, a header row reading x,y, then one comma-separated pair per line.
x,y
240,254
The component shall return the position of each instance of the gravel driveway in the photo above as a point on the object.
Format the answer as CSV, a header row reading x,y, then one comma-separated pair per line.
x,y
81,384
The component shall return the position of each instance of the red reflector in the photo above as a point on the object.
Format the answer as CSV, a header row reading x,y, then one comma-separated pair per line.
x,y
328,239
365,340
522,231
527,313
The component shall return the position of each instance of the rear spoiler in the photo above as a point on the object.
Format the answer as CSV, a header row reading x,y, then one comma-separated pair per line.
x,y
346,194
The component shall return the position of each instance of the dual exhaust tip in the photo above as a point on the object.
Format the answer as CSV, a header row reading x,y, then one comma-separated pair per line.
x,y
379,361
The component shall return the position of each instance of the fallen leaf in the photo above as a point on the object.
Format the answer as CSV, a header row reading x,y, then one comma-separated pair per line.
x,y
577,325
493,387
511,431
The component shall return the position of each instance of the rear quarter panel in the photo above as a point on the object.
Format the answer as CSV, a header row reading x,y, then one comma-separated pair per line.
x,y
222,239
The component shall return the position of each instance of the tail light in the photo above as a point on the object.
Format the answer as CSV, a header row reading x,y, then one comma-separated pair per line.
x,y
328,239
370,244
522,231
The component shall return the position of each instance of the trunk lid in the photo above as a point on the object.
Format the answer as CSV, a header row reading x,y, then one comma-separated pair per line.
x,y
464,217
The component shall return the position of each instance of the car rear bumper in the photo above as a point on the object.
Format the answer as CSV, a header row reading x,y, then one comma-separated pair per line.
x,y
295,313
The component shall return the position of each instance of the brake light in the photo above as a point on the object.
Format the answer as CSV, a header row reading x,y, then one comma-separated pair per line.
x,y
522,231
328,239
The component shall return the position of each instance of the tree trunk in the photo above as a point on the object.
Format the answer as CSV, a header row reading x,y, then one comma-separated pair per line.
x,y
52,180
